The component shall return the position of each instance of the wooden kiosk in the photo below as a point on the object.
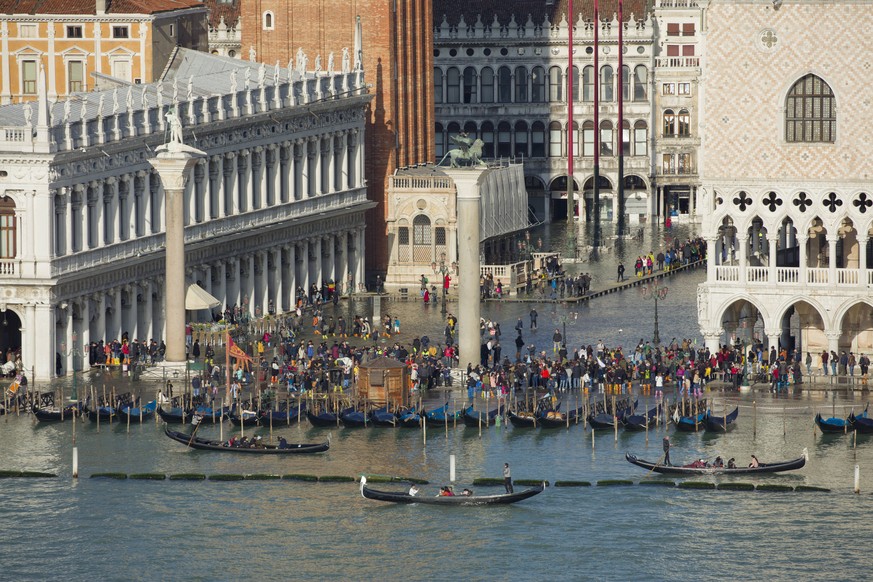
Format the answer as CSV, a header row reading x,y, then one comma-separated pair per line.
x,y
384,380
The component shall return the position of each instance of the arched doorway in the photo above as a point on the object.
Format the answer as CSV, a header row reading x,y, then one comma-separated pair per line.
x,y
558,189
10,333
606,197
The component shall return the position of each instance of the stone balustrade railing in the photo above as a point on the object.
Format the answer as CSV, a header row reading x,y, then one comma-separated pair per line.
x,y
584,29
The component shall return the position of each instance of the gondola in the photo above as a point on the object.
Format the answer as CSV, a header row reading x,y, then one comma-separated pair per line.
x,y
555,419
603,420
409,419
472,417
244,417
133,412
777,467
835,425
692,423
55,414
721,423
638,422
103,413
209,445
404,497
355,419
441,416
279,417
175,415
523,420
862,423
208,413
384,418
326,419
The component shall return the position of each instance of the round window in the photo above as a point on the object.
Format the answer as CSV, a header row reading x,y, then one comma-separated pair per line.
x,y
589,50
641,49
453,53
436,52
487,52
504,52
469,52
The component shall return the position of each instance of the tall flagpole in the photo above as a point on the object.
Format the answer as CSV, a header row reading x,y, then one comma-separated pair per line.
x,y
621,118
571,194
597,78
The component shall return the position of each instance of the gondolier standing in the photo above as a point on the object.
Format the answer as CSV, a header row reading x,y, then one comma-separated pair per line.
x,y
507,478
667,451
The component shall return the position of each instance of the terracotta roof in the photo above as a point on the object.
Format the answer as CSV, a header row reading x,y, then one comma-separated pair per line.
x,y
89,7
538,9
217,9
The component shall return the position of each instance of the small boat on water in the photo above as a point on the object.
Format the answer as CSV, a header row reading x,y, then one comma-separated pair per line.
x,y
210,445
103,414
697,469
441,416
325,418
355,419
721,423
464,500
604,420
522,419
475,418
279,417
557,419
137,414
382,417
836,425
409,419
639,422
56,414
244,417
692,423
175,415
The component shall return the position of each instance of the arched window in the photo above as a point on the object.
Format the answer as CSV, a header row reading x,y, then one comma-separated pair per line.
x,y
268,20
810,112
555,84
504,85
555,140
437,85
606,82
520,149
504,139
574,135
588,83
488,139
440,149
669,123
487,78
453,85
684,123
470,80
538,140
625,138
538,85
520,85
576,89
421,239
588,139
641,139
641,83
607,147
625,83
403,253
7,228
471,130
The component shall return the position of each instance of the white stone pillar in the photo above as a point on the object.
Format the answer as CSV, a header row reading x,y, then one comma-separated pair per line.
x,y
263,289
289,278
342,155
304,271
146,326
173,165
330,241
158,331
343,275
832,258
234,296
257,183
862,260
85,332
801,243
360,254
311,168
710,258
229,208
276,287
743,244
286,173
299,182
772,242
467,184
100,324
833,339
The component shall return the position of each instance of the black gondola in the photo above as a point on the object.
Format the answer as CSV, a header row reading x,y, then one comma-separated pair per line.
x,y
862,423
603,420
244,417
133,414
384,418
326,419
638,422
55,414
777,467
209,445
355,419
279,417
463,500
835,425
472,417
409,419
723,423
441,416
175,415
554,419
523,420
104,413
693,423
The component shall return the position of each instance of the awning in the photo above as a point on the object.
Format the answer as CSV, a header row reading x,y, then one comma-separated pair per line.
x,y
197,298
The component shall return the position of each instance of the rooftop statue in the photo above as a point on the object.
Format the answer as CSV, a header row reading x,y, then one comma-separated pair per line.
x,y
467,150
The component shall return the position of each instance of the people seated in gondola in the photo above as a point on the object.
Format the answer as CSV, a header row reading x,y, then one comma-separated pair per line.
x,y
719,463
243,443
283,444
231,442
732,463
446,492
467,493
754,464
699,464
413,491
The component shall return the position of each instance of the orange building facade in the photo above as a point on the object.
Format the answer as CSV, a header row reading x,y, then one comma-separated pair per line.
x,y
397,44
76,42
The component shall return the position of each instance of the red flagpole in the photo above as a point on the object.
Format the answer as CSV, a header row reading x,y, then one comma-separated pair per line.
x,y
571,198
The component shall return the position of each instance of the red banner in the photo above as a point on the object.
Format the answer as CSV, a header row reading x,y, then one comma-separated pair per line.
x,y
236,352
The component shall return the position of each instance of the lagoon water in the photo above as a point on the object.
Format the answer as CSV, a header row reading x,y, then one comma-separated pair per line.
x,y
98,529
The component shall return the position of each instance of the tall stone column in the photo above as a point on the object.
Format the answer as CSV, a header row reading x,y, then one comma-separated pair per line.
x,y
832,258
276,289
343,274
862,261
801,243
100,325
289,278
228,198
173,163
85,335
146,327
299,177
467,184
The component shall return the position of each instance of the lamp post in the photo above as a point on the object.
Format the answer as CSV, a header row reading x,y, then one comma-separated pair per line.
x,y
445,270
73,353
655,291
744,323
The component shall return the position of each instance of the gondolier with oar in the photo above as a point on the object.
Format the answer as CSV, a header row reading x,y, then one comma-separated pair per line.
x,y
507,478
195,420
667,451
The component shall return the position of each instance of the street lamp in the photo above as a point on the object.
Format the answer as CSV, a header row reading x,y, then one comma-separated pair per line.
x,y
655,291
73,353
445,270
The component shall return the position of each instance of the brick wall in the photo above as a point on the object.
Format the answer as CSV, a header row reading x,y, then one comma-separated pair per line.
x,y
398,63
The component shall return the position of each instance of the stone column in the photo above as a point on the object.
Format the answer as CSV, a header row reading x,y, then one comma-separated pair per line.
x,y
289,278
243,177
147,327
285,180
276,288
743,244
833,340
158,331
198,192
100,324
173,163
772,242
773,338
85,334
125,203
263,287
233,282
360,250
712,339
862,261
273,182
312,176
304,267
710,255
257,185
300,179
228,206
341,155
343,274
214,206
467,184
832,258
802,258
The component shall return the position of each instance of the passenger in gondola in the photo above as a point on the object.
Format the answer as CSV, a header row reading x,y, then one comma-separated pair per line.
x,y
467,493
413,491
243,443
732,463
283,444
755,463
718,463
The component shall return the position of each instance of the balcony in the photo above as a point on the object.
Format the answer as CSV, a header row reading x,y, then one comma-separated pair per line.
x,y
677,62
816,277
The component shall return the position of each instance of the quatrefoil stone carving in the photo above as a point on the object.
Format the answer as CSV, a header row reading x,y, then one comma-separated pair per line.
x,y
772,201
832,202
743,201
862,202
802,202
